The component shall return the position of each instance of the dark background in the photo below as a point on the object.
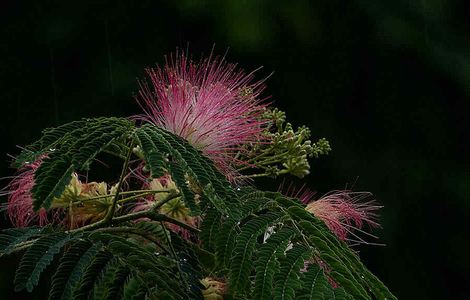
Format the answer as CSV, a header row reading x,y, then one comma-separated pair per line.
x,y
387,82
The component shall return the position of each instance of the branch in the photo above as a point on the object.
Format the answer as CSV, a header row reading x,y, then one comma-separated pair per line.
x,y
135,231
111,211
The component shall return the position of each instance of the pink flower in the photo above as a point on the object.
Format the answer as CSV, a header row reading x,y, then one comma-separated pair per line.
x,y
212,104
344,212
20,201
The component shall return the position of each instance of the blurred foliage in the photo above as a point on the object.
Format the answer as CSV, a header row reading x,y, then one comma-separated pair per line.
x,y
387,82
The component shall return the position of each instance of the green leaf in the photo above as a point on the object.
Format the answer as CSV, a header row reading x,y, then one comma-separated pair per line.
x,y
286,281
71,267
74,151
242,262
115,288
314,284
210,228
228,232
13,237
51,179
50,139
267,263
154,156
37,258
92,274
133,289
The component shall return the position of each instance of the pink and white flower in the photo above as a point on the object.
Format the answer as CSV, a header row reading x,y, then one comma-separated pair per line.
x,y
20,201
212,104
345,212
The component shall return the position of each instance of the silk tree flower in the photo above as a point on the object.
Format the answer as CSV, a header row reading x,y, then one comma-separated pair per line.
x,y
20,200
344,213
174,208
214,289
72,208
212,104
85,202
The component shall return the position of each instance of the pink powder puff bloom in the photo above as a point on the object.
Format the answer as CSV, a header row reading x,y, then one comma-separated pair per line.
x,y
344,212
212,104
20,201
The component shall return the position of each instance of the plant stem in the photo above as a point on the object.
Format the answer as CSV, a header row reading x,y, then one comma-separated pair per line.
x,y
262,174
20,246
170,197
112,209
176,258
133,197
135,231
114,153
266,161
153,215
110,213
124,193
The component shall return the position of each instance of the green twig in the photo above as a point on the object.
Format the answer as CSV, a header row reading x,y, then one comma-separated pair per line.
x,y
123,193
180,271
135,231
110,213
112,209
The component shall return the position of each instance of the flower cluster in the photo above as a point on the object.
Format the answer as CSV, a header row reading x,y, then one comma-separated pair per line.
x,y
20,201
175,208
85,202
80,203
285,150
344,212
216,107
212,104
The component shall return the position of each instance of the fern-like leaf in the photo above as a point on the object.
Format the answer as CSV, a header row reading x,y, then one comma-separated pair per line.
x,y
154,156
70,268
51,179
133,289
176,165
75,151
314,284
287,279
267,264
50,139
92,274
241,262
37,258
209,229
115,288
228,231
13,237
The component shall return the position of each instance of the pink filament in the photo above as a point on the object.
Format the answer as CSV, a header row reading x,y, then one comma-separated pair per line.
x,y
212,104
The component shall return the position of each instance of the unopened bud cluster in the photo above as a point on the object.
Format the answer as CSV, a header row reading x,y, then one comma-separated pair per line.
x,y
285,150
